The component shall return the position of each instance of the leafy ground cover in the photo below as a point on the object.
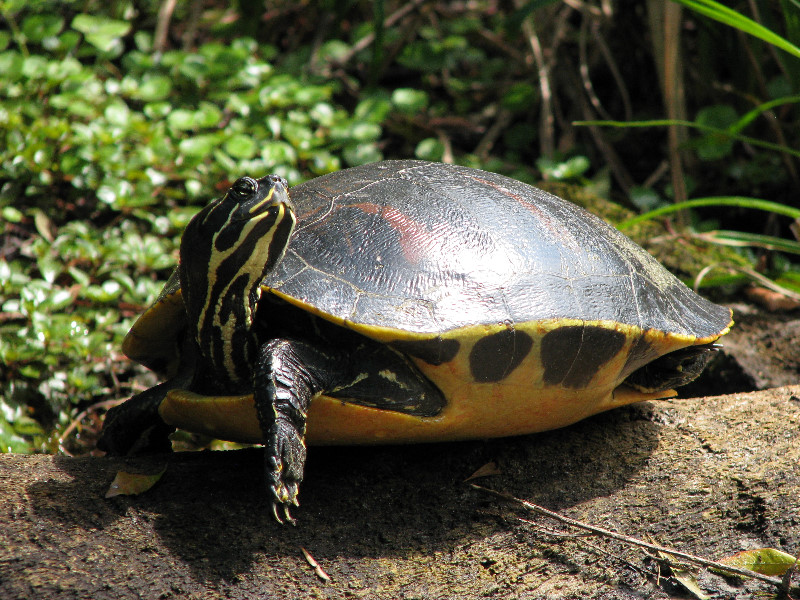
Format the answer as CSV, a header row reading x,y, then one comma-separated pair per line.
x,y
119,121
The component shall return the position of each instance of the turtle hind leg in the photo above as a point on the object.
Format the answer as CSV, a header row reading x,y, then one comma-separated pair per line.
x,y
672,370
135,427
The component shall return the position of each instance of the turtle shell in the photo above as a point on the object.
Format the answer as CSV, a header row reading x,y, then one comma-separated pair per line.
x,y
417,249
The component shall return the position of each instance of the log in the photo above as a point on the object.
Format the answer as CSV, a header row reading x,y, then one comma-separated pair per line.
x,y
709,476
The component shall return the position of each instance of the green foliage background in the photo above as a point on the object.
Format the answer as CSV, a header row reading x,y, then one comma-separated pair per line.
x,y
113,138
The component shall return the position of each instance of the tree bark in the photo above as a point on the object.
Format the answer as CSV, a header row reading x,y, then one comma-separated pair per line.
x,y
709,476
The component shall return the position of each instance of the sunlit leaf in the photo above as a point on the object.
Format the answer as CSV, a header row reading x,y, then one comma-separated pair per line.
x,y
101,32
199,145
41,26
131,484
767,561
241,146
409,100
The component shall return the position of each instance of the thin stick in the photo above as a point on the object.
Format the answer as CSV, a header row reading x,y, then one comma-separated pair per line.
x,y
630,540
365,42
162,25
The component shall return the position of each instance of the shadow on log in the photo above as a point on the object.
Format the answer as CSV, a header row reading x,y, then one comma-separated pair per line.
x,y
708,476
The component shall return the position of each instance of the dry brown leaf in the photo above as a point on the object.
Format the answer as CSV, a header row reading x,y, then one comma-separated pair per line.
x,y
131,484
486,470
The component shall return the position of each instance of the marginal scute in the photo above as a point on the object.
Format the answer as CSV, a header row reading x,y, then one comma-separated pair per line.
x,y
434,351
495,356
572,355
640,353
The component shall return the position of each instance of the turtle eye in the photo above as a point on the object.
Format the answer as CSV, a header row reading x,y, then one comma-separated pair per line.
x,y
244,187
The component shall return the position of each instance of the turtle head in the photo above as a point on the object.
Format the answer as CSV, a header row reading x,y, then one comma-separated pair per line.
x,y
226,250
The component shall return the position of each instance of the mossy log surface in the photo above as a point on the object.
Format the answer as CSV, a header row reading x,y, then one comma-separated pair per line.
x,y
710,476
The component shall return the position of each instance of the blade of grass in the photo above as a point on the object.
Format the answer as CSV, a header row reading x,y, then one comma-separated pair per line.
x,y
704,128
753,114
742,239
727,16
740,201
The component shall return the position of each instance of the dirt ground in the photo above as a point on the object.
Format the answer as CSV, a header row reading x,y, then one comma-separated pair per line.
x,y
711,476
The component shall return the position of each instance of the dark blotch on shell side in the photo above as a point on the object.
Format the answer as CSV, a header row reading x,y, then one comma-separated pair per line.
x,y
572,355
495,356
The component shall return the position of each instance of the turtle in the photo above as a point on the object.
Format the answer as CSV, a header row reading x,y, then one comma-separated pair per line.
x,y
400,302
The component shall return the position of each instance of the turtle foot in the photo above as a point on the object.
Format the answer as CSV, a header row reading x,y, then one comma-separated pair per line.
x,y
135,427
284,462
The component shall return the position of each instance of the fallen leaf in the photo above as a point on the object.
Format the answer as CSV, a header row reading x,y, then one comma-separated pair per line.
x,y
767,561
685,577
486,470
131,484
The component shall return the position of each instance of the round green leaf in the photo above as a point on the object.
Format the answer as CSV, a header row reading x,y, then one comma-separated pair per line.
x,y
34,67
430,149
101,32
157,110
118,113
11,64
181,119
362,154
208,115
154,88
520,97
12,214
278,153
39,27
241,146
409,101
199,145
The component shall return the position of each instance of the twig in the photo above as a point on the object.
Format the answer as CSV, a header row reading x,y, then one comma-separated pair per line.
x,y
447,154
500,124
364,42
546,120
630,540
318,571
621,174
162,25
786,581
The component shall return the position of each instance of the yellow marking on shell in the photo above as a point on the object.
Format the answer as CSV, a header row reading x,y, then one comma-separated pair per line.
x,y
519,404
154,334
390,375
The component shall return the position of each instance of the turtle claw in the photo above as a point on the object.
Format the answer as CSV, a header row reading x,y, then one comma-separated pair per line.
x,y
285,458
284,496
287,517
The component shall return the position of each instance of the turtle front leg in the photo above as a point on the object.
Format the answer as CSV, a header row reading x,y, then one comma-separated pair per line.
x,y
288,375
